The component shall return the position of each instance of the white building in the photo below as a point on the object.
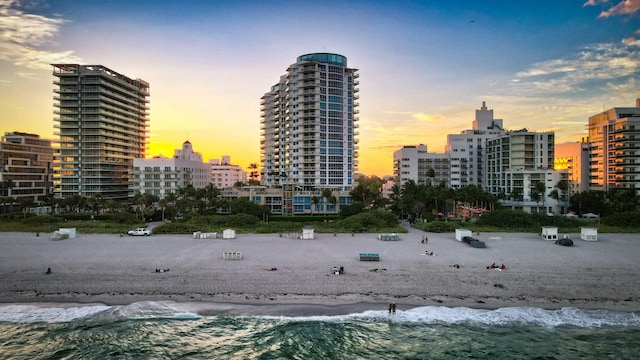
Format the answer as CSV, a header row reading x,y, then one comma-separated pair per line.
x,y
224,174
160,176
414,162
466,150
515,163
308,129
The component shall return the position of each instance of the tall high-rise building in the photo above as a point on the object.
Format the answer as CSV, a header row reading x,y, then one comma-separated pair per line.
x,y
26,166
308,125
102,121
614,136
309,137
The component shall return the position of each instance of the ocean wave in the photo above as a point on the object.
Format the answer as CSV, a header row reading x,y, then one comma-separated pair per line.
x,y
508,317
511,316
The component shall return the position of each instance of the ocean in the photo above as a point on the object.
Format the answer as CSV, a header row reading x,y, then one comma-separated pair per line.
x,y
168,330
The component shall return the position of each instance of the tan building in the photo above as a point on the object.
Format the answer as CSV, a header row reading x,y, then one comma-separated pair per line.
x,y
224,174
574,159
614,136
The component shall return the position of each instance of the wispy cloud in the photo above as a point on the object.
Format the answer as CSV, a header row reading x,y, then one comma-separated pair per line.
x,y
587,71
23,36
623,7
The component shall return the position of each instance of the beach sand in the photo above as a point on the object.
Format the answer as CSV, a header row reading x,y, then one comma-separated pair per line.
x,y
109,269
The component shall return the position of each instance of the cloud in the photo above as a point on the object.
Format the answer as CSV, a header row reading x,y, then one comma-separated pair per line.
x,y
587,71
594,2
22,36
622,8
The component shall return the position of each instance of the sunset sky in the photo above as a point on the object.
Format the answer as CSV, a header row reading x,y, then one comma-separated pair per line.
x,y
425,66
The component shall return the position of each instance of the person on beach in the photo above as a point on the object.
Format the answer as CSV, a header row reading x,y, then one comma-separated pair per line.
x,y
393,308
48,271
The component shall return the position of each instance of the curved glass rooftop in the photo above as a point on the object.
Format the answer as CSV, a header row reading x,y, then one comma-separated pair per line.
x,y
326,58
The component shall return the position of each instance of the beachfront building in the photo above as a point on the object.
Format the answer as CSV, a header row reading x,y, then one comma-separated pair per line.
x,y
516,163
224,174
467,149
26,167
414,162
309,128
614,136
573,158
160,175
101,120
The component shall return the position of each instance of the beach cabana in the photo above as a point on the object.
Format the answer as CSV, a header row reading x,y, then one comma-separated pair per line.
x,y
462,233
229,234
589,233
549,233
308,232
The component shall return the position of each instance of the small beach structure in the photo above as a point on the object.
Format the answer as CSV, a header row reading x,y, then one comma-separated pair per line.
x,y
308,233
462,233
369,257
389,237
64,233
589,233
203,235
232,255
229,234
549,233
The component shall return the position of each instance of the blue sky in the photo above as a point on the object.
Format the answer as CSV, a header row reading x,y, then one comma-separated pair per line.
x,y
425,66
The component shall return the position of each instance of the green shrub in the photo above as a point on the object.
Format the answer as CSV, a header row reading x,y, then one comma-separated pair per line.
x,y
625,219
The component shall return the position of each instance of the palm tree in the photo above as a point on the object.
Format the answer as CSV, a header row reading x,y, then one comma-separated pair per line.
x,y
314,203
326,194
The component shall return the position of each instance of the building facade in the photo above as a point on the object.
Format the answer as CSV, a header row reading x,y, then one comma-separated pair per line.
x,y
102,120
414,162
614,136
515,163
574,159
160,175
467,149
309,127
224,174
26,167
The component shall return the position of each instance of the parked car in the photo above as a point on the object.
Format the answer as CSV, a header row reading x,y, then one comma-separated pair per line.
x,y
139,232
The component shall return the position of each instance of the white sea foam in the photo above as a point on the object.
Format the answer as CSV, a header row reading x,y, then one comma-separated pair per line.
x,y
17,313
511,316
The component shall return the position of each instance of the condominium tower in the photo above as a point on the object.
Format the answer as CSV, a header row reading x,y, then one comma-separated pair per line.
x,y
308,125
102,126
614,137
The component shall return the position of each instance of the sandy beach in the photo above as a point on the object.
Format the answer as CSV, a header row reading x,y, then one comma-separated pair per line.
x,y
293,275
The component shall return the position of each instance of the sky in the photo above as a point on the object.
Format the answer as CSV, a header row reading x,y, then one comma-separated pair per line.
x,y
425,66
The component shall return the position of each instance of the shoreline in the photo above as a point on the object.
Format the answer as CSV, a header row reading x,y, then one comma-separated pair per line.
x,y
107,269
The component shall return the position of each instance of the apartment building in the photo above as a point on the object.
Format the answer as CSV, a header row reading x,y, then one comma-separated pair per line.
x,y
26,167
414,162
309,127
160,175
614,138
573,157
224,174
515,163
467,149
101,121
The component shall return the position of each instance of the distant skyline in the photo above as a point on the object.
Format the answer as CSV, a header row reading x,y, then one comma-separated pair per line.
x,y
425,66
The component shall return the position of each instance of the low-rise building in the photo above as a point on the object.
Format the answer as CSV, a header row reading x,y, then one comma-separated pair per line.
x,y
26,167
414,162
160,175
224,174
